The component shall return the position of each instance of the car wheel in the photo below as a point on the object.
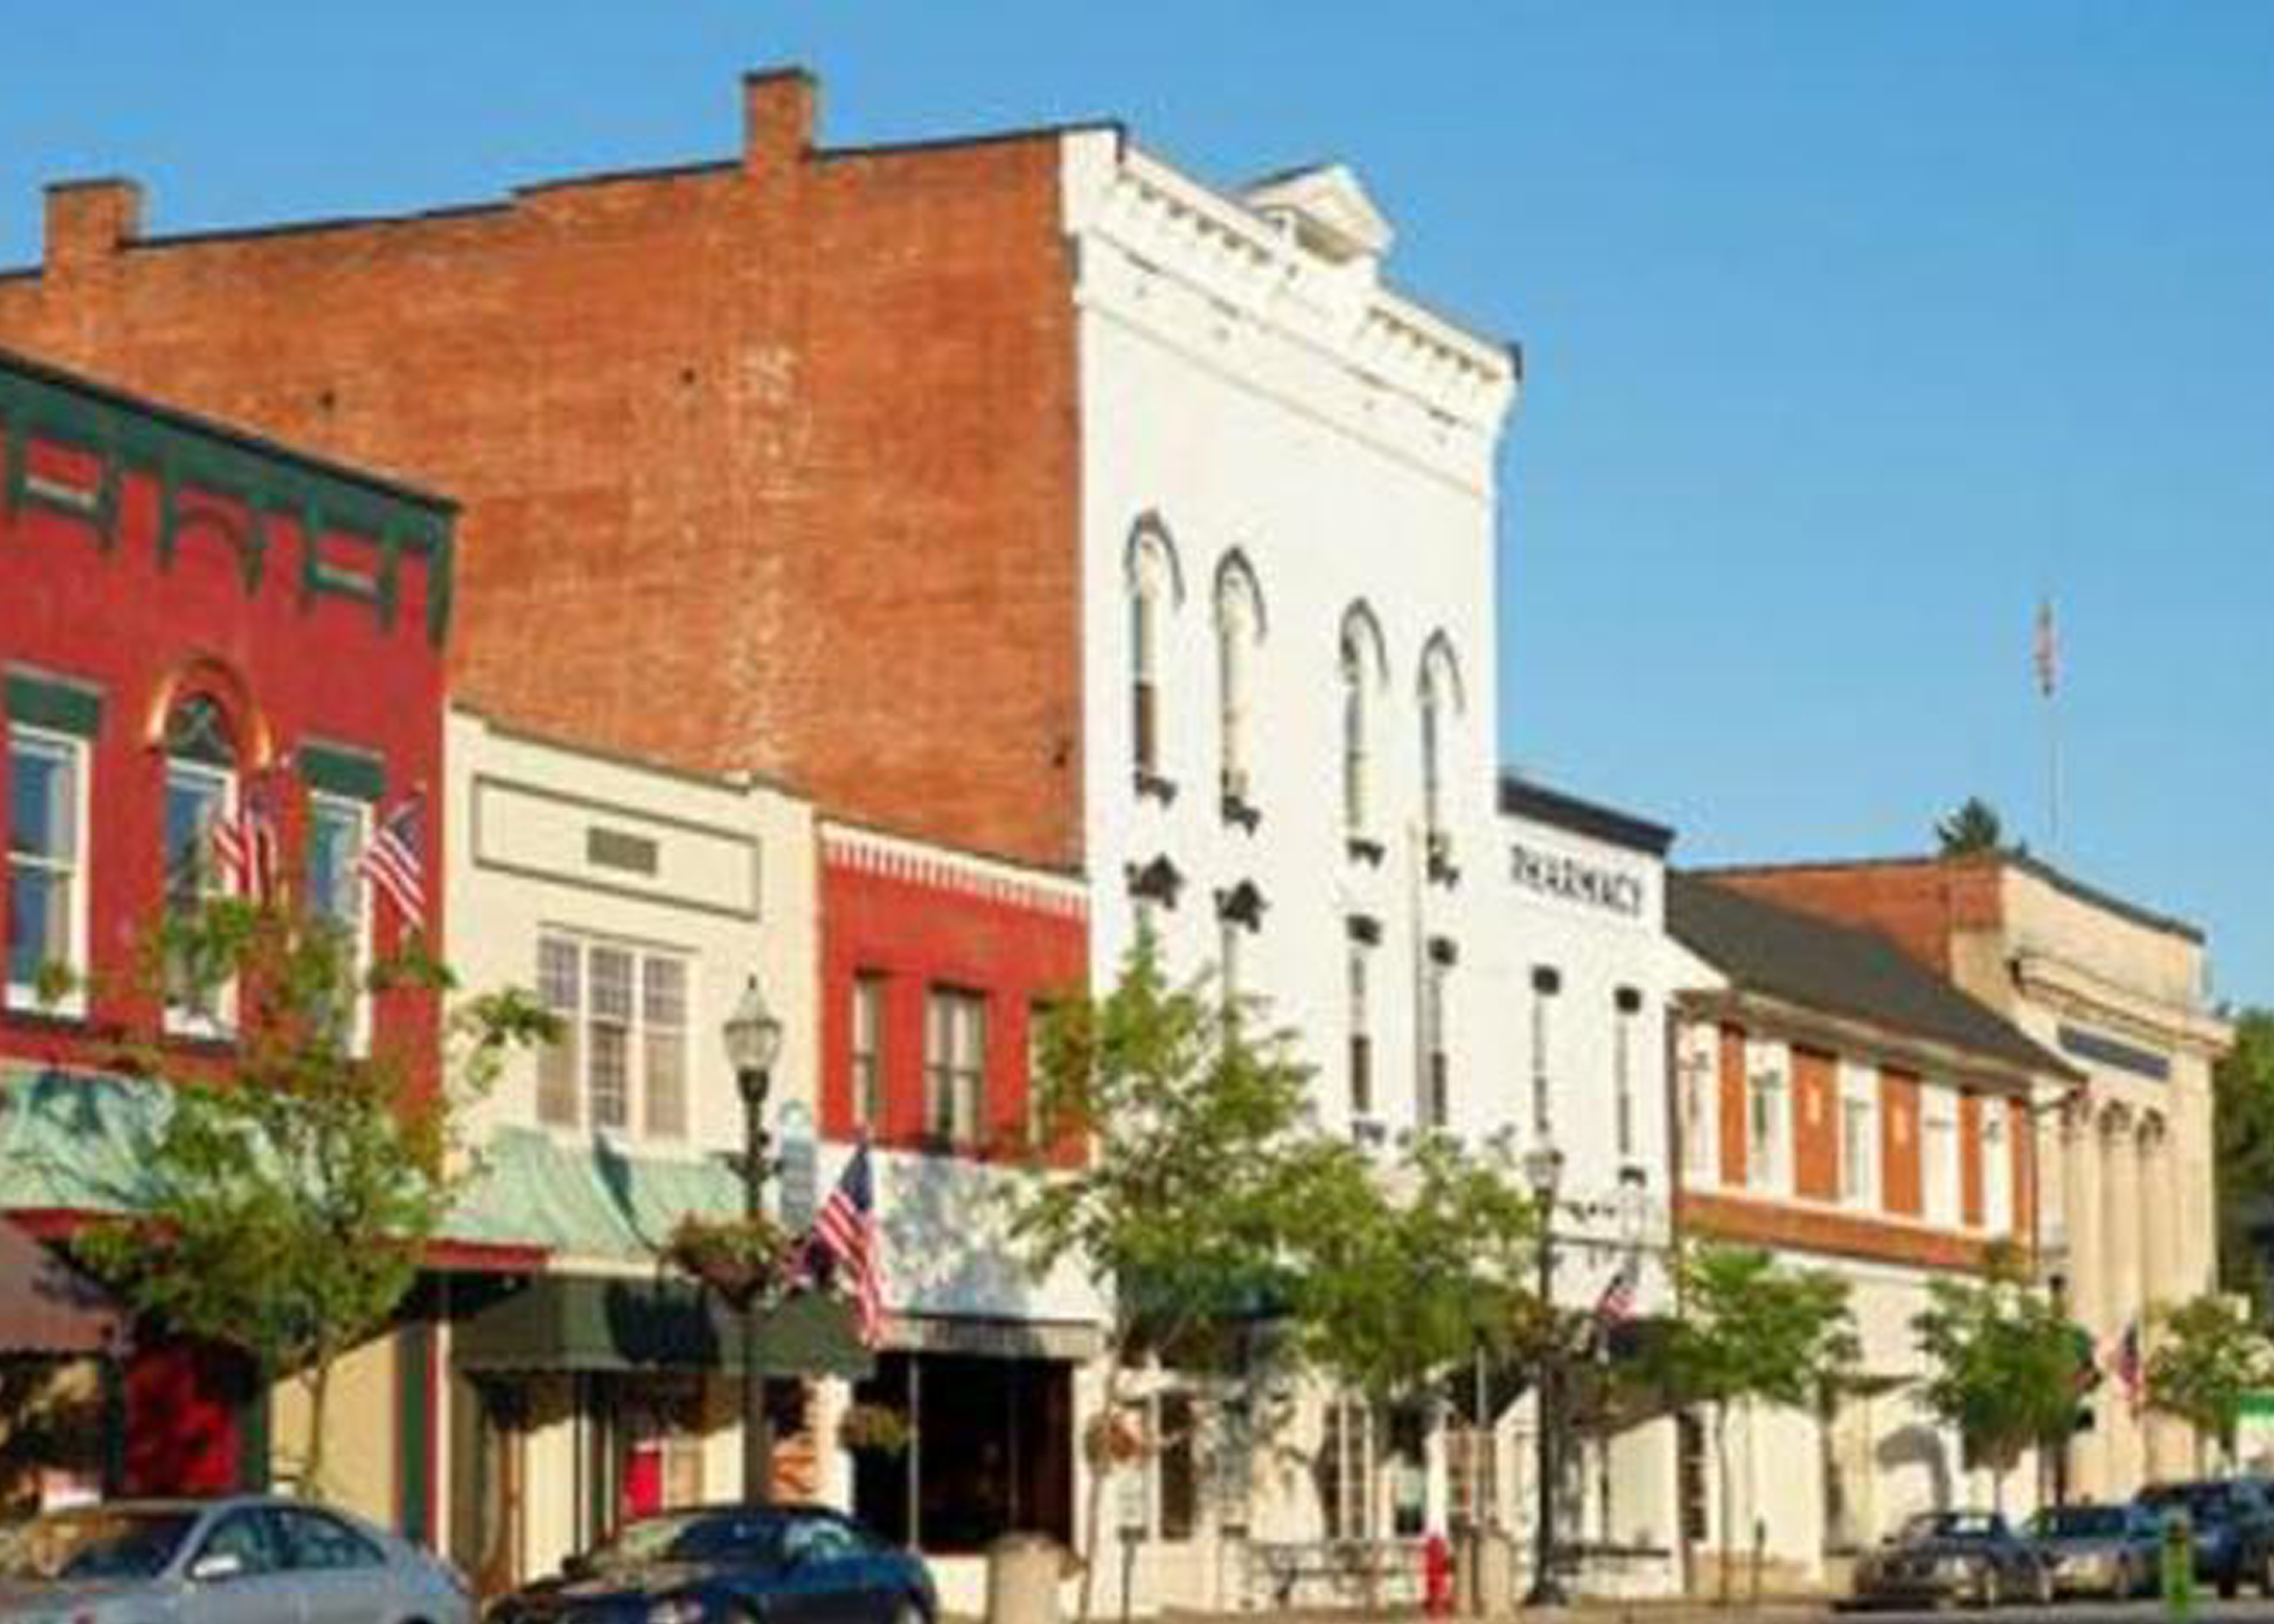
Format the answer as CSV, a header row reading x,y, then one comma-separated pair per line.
x,y
2229,1583
2266,1574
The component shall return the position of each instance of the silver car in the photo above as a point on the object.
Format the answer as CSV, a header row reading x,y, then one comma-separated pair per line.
x,y
249,1559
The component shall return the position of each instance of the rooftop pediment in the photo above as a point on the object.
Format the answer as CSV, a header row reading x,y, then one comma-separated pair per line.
x,y
1327,209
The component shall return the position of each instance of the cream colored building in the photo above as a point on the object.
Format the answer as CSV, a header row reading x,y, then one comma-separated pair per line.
x,y
2121,993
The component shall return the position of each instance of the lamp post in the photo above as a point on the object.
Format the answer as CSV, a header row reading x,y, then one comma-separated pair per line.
x,y
1543,1170
753,1036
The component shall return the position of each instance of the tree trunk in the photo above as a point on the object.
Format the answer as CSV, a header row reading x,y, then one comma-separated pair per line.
x,y
1721,1479
1094,1516
312,1461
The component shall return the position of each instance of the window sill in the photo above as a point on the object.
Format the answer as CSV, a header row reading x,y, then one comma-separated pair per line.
x,y
1153,786
1362,849
1241,814
22,1007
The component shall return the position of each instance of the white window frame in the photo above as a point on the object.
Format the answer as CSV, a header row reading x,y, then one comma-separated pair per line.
x,y
952,1078
320,804
1149,592
637,1125
1996,1152
1357,753
1942,1178
1358,1021
1698,1098
1433,1103
220,1022
1768,1077
72,1004
1235,641
867,1002
1860,1177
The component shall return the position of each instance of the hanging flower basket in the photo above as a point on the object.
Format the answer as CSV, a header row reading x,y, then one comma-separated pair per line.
x,y
874,1429
740,1258
1114,1439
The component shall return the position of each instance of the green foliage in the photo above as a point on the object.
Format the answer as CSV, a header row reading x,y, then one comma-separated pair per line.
x,y
1975,827
1420,1271
2007,1368
2242,1118
1751,1330
296,1181
2205,1357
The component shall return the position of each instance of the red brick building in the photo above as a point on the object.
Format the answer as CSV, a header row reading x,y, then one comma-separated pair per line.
x,y
814,409
190,617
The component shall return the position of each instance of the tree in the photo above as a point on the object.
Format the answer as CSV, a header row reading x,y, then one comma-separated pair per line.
x,y
2207,1355
1201,1179
2007,1368
1421,1272
1749,1331
1975,827
2243,1119
296,1181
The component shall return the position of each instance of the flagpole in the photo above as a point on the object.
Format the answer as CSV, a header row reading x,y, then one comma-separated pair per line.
x,y
2046,657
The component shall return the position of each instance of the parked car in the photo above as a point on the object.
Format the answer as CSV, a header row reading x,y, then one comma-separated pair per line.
x,y
246,1559
1972,1557
733,1565
2112,1551
2232,1521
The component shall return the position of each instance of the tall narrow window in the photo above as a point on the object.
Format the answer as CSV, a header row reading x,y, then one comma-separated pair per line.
x,y
1227,967
1859,1137
1238,623
1440,699
1699,1087
1546,981
1144,675
1436,1104
560,989
1346,1470
200,792
1939,1153
608,1037
1626,1008
1177,1466
1355,766
867,1082
337,829
1361,1030
663,1046
1766,1136
1997,1170
47,865
955,1064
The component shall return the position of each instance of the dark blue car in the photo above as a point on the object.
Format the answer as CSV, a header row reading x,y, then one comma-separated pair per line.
x,y
733,1565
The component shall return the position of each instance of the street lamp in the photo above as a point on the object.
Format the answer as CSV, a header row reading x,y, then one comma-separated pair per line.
x,y
753,1035
1543,1170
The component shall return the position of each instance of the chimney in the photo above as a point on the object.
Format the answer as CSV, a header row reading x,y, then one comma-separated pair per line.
x,y
89,221
778,109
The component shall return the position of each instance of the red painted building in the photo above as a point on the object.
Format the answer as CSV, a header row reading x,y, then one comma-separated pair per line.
x,y
190,617
936,967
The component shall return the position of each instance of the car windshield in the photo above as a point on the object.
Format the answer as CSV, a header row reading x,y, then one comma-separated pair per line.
x,y
2079,1522
96,1542
688,1537
1950,1525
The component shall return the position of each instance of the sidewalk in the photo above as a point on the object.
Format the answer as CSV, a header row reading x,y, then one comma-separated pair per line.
x,y
1669,1610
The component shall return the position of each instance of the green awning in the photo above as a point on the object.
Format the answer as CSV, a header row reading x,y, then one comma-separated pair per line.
x,y
587,1200
77,1141
565,1322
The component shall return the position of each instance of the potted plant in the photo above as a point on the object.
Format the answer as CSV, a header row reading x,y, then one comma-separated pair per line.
x,y
740,1258
876,1429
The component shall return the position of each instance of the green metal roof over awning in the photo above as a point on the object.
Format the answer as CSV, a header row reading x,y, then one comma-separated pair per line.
x,y
560,1322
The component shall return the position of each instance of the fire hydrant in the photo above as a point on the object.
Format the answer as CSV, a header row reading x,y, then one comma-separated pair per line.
x,y
1436,1575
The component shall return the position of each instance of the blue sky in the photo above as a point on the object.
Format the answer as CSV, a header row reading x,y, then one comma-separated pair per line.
x,y
1851,328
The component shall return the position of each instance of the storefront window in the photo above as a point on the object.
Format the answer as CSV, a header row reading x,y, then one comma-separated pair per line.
x,y
993,1451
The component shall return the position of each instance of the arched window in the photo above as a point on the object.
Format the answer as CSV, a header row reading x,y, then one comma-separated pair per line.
x,y
1238,629
1442,700
1361,665
1154,587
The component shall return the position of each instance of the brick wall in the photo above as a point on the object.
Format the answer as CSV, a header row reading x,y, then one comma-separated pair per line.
x,y
1901,1188
1816,1125
1920,905
765,464
1823,1229
1732,1112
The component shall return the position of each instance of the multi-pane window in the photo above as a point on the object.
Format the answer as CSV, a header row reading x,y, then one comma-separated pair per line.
x,y
621,1054
1859,1137
1235,627
47,863
1346,1470
1691,1462
1698,1084
200,792
1361,1033
1355,766
867,1082
1765,1136
1472,1474
955,1064
1626,1004
1175,1502
335,884
1938,1155
1144,667
1997,1170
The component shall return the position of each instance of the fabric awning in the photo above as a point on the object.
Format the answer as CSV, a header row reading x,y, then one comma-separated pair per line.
x,y
574,1322
48,1307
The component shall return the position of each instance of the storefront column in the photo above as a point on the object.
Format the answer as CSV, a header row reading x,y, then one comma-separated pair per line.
x,y
2121,1237
832,1396
2169,1440
2087,1470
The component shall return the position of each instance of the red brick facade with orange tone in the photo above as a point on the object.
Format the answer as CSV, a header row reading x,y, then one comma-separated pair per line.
x,y
1827,1229
809,416
1815,1126
1902,1189
1919,903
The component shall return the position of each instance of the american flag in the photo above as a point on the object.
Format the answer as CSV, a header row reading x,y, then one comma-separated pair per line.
x,y
2124,1363
392,863
847,1231
246,846
2045,648
1617,1304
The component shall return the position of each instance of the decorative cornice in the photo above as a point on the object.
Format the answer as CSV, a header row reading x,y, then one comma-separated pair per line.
x,y
941,869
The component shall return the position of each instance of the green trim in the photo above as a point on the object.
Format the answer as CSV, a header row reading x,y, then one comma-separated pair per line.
x,y
62,706
414,1451
356,774
268,481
